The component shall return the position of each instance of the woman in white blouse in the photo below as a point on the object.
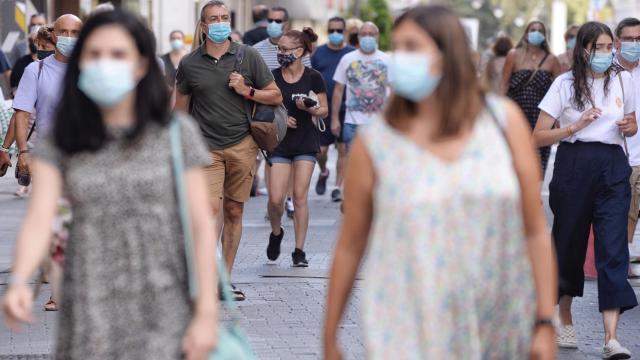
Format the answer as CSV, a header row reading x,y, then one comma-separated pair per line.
x,y
594,107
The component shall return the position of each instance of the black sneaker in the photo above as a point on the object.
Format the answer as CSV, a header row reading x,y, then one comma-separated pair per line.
x,y
336,195
273,250
321,185
299,258
289,206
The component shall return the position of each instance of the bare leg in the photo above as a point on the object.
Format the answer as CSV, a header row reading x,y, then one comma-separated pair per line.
x,y
565,310
610,319
232,231
277,191
322,157
302,171
340,164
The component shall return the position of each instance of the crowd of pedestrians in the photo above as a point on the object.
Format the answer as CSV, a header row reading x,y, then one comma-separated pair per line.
x,y
102,111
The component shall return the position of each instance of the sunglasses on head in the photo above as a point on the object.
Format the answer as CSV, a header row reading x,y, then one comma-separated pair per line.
x,y
339,31
277,21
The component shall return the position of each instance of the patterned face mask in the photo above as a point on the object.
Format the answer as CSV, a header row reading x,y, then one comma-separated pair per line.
x,y
286,59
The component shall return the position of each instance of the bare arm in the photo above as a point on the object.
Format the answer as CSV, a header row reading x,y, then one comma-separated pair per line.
x,y
507,70
205,238
352,241
10,137
22,129
545,135
556,67
182,102
540,248
34,235
269,95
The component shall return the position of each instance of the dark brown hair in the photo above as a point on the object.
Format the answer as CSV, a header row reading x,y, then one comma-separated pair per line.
x,y
45,34
459,93
304,38
502,46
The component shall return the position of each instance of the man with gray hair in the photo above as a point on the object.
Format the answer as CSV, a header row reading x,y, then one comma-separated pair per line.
x,y
364,74
216,96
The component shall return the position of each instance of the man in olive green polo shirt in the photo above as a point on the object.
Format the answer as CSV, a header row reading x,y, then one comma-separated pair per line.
x,y
205,78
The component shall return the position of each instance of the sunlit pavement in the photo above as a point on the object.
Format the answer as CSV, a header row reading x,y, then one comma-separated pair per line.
x,y
284,306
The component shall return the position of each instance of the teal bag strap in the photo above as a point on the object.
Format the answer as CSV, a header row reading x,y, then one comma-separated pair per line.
x,y
178,174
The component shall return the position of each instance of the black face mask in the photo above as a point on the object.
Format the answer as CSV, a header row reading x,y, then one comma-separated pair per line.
x,y
33,49
42,54
353,39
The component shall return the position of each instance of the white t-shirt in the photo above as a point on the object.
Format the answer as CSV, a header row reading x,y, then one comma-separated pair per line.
x,y
558,102
634,142
366,80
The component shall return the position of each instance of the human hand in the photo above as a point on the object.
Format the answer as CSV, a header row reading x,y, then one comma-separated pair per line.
x,y
627,125
23,163
201,336
588,117
236,82
5,163
292,123
543,346
335,127
17,306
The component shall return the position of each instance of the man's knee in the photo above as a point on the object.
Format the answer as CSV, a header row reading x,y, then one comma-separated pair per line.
x,y
233,210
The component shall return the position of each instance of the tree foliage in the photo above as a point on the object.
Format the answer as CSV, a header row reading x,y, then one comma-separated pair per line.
x,y
378,12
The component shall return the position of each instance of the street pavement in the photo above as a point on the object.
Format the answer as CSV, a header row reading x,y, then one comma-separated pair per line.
x,y
283,313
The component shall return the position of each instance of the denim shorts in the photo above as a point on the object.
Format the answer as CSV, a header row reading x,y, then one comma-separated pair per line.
x,y
288,159
349,133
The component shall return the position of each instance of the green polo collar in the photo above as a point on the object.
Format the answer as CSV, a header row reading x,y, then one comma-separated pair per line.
x,y
233,48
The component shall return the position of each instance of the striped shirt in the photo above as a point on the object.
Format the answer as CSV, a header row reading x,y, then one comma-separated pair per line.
x,y
269,53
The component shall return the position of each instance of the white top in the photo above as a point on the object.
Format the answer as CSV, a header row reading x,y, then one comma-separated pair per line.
x,y
634,142
366,80
560,105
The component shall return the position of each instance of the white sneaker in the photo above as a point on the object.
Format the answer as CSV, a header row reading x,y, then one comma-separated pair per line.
x,y
566,337
613,350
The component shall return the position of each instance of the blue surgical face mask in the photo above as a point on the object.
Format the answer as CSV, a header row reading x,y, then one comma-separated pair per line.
x,y
535,38
335,38
368,44
219,32
274,29
571,43
106,81
65,45
177,44
600,62
411,75
630,51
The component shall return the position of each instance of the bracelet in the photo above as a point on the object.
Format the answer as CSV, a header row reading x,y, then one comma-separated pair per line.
x,y
571,133
4,149
251,93
15,279
23,152
544,323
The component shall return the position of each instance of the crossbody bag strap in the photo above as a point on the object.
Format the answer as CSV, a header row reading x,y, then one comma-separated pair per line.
x,y
181,194
33,127
624,138
536,70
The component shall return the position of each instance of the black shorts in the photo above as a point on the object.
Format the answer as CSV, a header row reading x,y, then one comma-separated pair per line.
x,y
327,138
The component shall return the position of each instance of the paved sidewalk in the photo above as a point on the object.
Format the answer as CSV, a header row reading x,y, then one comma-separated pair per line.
x,y
283,312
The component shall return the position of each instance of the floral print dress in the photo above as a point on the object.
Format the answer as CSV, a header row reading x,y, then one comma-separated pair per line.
x,y
448,275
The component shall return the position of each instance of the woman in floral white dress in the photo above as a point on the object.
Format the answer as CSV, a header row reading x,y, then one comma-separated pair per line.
x,y
444,190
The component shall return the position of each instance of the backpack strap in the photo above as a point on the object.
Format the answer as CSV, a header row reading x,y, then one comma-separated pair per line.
x,y
248,108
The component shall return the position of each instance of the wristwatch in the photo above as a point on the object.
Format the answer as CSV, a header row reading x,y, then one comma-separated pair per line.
x,y
4,149
23,152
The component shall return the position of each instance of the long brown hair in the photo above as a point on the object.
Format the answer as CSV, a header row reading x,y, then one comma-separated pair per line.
x,y
459,93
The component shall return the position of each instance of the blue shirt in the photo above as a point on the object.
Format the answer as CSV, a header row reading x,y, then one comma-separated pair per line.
x,y
326,61
4,63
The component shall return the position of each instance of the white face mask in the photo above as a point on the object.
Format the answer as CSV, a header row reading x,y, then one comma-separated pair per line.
x,y
106,82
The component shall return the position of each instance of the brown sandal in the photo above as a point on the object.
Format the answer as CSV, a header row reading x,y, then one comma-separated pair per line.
x,y
51,306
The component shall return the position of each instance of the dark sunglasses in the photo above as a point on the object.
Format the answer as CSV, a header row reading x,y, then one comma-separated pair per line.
x,y
339,31
277,21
